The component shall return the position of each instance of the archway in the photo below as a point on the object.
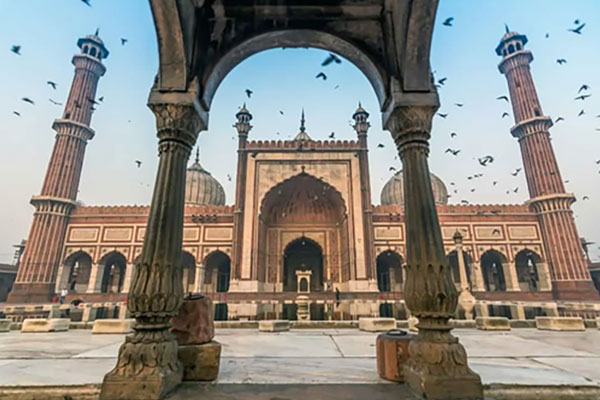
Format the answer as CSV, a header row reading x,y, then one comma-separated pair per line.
x,y
218,272
492,268
389,271
76,273
188,266
303,254
113,274
526,263
453,259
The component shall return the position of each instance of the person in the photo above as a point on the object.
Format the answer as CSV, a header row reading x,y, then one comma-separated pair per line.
x,y
337,294
63,294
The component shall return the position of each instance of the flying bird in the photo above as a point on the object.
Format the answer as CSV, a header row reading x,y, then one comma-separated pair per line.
x,y
332,135
558,120
380,146
458,104
56,103
583,87
442,81
453,152
331,58
101,99
392,168
453,134
124,41
249,93
505,114
502,98
53,84
28,100
583,97
94,102
86,2
516,172
486,160
561,61
280,112
515,190
581,113
448,21
139,163
229,177
17,113
585,198
16,49
442,115
578,29
322,76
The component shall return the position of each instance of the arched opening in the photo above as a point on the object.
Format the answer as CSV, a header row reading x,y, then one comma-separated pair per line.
x,y
492,269
302,254
453,259
113,275
77,270
85,49
518,46
511,48
526,262
389,271
536,111
218,272
93,52
188,266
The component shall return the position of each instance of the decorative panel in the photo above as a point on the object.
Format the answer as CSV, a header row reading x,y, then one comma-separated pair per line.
x,y
523,232
84,234
191,234
118,234
140,234
218,234
449,231
388,233
489,232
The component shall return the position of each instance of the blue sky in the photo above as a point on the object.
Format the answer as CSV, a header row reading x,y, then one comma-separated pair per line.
x,y
284,80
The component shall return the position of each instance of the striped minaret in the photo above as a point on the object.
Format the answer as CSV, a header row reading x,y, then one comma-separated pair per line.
x,y
548,199
36,276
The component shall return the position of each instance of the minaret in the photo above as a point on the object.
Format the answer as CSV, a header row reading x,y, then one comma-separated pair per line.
x,y
37,272
548,199
361,126
243,128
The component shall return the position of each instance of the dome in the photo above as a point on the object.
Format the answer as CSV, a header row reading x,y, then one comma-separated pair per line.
x,y
201,187
393,191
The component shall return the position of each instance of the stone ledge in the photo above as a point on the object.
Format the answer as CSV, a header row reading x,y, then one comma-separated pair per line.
x,y
560,323
5,325
236,324
324,324
200,361
376,324
45,325
274,325
463,323
522,323
492,323
113,326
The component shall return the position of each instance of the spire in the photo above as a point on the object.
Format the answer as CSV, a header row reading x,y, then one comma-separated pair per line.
x,y
97,31
302,122
506,28
198,155
302,135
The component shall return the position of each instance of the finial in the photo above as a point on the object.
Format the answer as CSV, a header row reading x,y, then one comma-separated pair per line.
x,y
506,28
359,104
97,31
302,121
198,155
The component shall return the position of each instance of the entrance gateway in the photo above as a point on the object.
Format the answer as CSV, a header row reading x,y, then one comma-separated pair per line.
x,y
199,43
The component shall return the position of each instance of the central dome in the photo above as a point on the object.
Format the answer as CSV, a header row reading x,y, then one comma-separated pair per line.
x,y
201,187
393,191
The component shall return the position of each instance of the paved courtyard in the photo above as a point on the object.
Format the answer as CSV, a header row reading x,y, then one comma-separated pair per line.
x,y
522,356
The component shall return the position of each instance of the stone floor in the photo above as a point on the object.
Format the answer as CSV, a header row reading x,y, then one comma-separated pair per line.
x,y
324,357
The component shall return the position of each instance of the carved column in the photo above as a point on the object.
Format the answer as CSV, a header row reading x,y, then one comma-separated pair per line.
x,y
510,277
96,275
148,367
438,366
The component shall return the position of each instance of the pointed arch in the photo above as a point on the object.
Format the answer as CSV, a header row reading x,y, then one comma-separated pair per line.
x,y
492,268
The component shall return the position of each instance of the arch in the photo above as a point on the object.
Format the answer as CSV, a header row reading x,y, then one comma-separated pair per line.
x,y
492,268
93,52
217,274
511,48
77,270
188,272
303,254
526,263
389,271
113,266
454,264
85,49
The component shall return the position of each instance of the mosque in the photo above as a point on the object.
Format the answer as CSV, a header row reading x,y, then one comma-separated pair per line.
x,y
302,221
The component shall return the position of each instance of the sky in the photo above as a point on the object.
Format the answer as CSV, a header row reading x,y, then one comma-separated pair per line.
x,y
47,31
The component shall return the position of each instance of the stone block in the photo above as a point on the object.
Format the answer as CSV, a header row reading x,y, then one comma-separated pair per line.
x,y
560,323
376,324
522,323
45,325
412,324
194,323
200,361
5,324
114,326
392,354
274,325
492,323
462,323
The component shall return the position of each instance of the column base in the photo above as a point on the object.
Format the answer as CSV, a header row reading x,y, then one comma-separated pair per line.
x,y
433,387
31,293
575,291
153,387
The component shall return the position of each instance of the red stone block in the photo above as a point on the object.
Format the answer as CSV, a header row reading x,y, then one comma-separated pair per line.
x,y
194,323
392,354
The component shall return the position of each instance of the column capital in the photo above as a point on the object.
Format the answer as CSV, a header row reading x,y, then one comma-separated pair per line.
x,y
177,123
411,125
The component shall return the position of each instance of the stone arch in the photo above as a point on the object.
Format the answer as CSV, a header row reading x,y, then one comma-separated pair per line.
x,y
527,264
454,264
303,253
217,274
188,272
389,271
112,266
493,265
77,269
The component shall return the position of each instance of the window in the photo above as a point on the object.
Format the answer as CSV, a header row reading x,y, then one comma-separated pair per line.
x,y
511,48
518,46
93,52
536,111
85,49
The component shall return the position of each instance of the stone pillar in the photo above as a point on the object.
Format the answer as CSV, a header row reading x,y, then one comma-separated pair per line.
x,y
510,277
95,282
476,277
200,271
517,312
464,282
147,366
438,365
545,283
127,279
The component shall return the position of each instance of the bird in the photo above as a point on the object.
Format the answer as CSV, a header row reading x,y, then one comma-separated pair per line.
x,y
331,58
583,87
139,163
53,84
249,93
495,231
253,154
280,112
94,102
28,100
585,198
505,114
502,98
55,102
229,177
86,2
464,201
454,152
453,134
458,104
124,41
561,61
336,87
515,190
442,81
442,115
332,135
583,97
547,35
392,168
322,76
516,172
18,114
578,29
77,104
448,21
380,146
485,160
558,120
472,190
581,113
598,162
494,183
16,49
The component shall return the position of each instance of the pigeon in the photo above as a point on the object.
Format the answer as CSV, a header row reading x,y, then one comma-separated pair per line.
x,y
453,134
516,172
101,99
558,120
561,61
280,112
581,113
392,168
53,84
442,81
331,58
94,102
494,183
86,2
495,231
249,93
229,177
16,49
124,41
139,163
486,160
332,135
583,97
583,87
322,76
502,98
336,87
380,146
547,35
515,190
28,100
442,115
578,29
56,103
458,104
454,152
505,114
448,21
585,198
18,114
